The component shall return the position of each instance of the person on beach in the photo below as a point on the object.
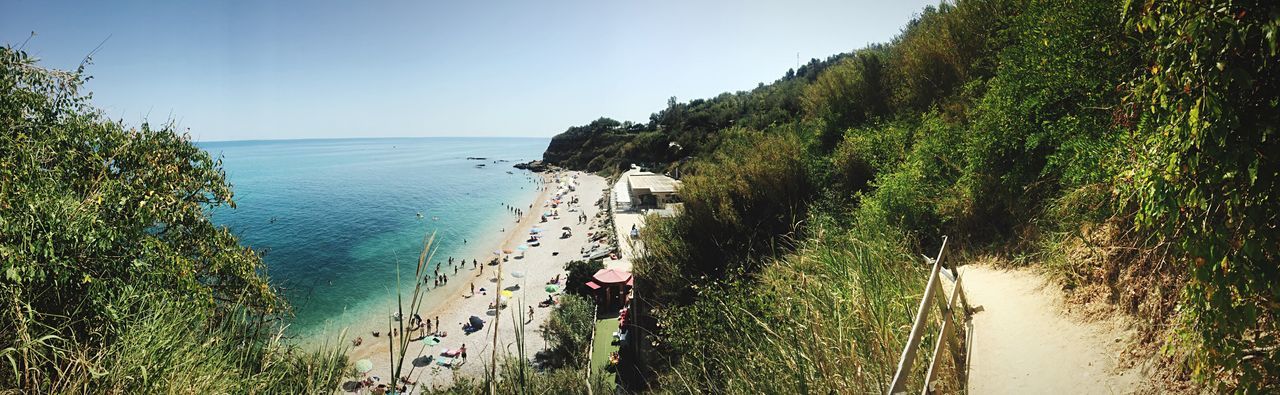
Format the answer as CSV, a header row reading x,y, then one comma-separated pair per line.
x,y
464,351
437,322
530,315
473,288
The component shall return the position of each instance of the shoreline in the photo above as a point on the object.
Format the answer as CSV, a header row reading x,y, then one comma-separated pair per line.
x,y
451,304
368,316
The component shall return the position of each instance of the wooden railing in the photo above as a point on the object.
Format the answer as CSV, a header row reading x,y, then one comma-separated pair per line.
x,y
947,308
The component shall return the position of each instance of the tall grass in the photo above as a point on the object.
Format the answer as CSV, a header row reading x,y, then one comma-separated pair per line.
x,y
173,345
832,317
399,347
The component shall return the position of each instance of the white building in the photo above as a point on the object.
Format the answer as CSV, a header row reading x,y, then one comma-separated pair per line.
x,y
641,189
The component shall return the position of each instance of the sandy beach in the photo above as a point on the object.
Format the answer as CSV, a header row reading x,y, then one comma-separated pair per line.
x,y
538,265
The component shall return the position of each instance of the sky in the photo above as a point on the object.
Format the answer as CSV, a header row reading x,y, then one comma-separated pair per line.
x,y
246,70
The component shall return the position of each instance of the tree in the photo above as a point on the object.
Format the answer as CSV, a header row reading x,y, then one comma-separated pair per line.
x,y
580,272
95,216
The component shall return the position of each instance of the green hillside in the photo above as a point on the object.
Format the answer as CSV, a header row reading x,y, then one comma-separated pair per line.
x,y
1128,148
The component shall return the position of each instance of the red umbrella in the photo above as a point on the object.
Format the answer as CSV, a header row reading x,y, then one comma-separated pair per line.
x,y
611,276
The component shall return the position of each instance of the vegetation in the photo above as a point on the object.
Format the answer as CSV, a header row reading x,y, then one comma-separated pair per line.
x,y
568,333
1128,147
1124,146
579,273
112,277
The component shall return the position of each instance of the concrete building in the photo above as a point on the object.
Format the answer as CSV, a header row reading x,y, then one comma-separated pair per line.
x,y
652,190
638,189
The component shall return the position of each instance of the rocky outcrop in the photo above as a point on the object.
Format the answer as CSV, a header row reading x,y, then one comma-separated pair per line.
x,y
535,166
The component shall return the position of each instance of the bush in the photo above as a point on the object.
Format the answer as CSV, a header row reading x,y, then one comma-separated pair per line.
x,y
1045,120
741,205
1205,175
847,94
580,272
100,224
568,333
922,194
866,152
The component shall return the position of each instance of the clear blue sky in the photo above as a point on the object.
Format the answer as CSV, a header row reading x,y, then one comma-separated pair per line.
x,y
231,70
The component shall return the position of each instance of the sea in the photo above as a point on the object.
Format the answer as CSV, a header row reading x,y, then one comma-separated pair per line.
x,y
340,223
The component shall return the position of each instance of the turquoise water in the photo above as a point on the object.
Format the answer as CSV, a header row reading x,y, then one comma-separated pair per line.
x,y
334,218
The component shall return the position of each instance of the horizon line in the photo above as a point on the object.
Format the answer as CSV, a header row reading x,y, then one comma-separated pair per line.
x,y
364,138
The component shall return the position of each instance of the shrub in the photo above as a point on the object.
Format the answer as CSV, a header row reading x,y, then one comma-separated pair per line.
x,y
866,152
1045,119
100,224
741,205
845,95
580,272
1204,174
568,333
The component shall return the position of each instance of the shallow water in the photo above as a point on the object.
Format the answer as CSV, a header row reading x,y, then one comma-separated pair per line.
x,y
334,219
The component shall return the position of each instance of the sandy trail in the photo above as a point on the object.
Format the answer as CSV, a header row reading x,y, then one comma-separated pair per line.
x,y
1024,343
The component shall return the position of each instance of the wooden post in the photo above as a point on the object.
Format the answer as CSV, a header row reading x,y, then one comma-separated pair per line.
x,y
945,310
945,333
899,384
964,302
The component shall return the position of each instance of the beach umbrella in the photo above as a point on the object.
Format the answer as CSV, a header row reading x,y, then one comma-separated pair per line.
x,y
506,293
517,274
522,247
364,365
496,252
565,228
508,250
535,230
552,288
476,322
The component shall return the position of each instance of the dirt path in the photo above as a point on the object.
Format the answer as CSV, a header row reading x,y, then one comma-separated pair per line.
x,y
1024,343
